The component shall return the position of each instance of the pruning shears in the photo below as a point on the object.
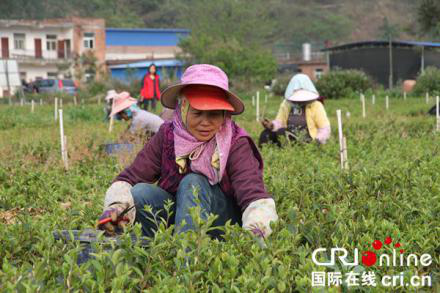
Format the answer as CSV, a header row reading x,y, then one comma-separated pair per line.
x,y
118,219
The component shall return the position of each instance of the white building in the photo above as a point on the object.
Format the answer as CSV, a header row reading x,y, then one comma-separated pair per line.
x,y
47,48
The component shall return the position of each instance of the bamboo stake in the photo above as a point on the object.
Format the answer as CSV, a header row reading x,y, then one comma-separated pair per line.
x,y
74,100
258,106
387,102
63,140
253,100
56,108
41,102
32,106
341,142
21,102
373,99
265,98
345,152
404,96
427,98
437,112
364,114
66,161
110,127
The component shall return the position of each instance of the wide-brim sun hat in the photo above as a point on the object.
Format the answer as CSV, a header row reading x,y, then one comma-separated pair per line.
x,y
208,75
111,94
121,102
303,96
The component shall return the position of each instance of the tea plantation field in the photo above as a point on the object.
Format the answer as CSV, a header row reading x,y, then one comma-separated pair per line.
x,y
392,189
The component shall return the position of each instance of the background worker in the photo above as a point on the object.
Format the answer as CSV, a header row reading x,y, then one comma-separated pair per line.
x,y
150,91
301,116
125,108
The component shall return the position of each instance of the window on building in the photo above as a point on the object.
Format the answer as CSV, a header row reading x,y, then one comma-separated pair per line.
x,y
89,40
51,42
19,41
318,73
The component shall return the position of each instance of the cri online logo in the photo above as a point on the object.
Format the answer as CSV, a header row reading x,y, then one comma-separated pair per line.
x,y
370,258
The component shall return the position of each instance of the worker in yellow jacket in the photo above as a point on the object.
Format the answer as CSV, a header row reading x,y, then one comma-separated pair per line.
x,y
301,116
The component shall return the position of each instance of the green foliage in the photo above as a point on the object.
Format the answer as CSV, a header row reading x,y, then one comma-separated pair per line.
x,y
238,61
230,34
309,22
339,84
281,84
281,25
428,82
392,189
428,17
388,31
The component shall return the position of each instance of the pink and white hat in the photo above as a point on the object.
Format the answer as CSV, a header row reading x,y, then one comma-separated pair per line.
x,y
202,74
121,102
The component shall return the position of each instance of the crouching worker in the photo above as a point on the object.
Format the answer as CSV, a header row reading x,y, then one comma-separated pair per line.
x,y
142,122
200,149
301,116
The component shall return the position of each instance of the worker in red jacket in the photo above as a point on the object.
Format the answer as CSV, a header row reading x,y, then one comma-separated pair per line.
x,y
150,91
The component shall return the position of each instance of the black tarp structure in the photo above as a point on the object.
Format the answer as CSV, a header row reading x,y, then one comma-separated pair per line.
x,y
373,57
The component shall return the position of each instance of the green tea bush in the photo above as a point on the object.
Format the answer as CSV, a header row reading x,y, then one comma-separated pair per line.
x,y
391,189
428,82
339,84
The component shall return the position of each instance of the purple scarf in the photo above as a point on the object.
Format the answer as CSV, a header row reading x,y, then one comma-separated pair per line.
x,y
200,153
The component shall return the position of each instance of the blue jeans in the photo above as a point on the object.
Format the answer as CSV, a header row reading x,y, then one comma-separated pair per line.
x,y
211,200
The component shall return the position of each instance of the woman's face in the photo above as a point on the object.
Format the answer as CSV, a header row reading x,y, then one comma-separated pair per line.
x,y
123,115
203,125
153,69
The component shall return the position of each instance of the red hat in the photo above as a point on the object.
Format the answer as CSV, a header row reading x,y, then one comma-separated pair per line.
x,y
205,97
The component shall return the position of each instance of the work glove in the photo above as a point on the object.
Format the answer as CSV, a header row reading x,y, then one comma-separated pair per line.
x,y
117,199
267,124
258,215
114,219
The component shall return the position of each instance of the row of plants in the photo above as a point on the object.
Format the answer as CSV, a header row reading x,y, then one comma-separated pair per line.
x,y
391,189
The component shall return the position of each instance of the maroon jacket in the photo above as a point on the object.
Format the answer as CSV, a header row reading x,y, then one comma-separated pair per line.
x,y
243,178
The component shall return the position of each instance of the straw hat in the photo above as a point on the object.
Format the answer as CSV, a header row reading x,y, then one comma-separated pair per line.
x,y
121,102
111,94
303,96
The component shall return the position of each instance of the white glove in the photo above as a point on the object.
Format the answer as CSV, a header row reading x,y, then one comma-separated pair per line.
x,y
120,192
258,215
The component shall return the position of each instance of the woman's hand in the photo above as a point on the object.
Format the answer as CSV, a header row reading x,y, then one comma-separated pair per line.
x,y
258,215
114,219
267,124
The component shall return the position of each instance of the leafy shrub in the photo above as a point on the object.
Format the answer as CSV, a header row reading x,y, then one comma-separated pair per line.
x,y
428,82
239,61
343,83
281,84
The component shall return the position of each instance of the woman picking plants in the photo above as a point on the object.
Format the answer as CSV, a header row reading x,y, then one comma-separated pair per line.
x,y
200,158
301,116
143,123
